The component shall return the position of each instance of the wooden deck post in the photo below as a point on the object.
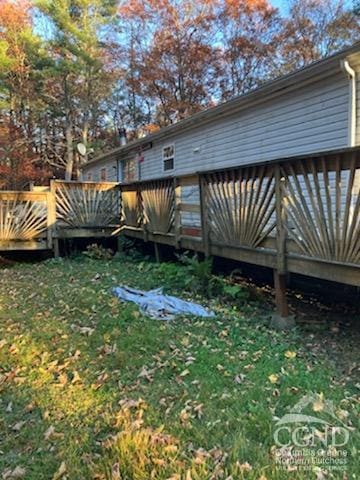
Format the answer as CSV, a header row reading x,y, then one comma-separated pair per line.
x,y
205,233
56,248
280,273
52,234
177,213
282,307
158,256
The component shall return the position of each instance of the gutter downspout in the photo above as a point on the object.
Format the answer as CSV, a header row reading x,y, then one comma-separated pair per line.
x,y
351,74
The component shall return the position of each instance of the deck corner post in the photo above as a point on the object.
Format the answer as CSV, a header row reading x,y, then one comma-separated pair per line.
x,y
280,220
177,212
52,234
56,248
281,320
282,307
204,217
158,256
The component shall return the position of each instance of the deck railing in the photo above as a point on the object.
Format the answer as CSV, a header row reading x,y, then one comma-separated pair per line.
x,y
300,215
86,204
38,218
25,219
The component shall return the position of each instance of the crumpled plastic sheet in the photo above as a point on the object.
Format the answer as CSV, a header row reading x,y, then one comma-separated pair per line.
x,y
159,306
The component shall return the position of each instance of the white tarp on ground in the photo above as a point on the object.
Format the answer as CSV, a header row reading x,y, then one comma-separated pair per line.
x,y
157,305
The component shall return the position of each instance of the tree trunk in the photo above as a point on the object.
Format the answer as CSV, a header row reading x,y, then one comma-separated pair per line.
x,y
85,135
69,150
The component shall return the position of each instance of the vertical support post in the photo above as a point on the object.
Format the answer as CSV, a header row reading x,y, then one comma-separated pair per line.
x,y
280,272
119,244
56,248
280,221
140,204
177,212
119,206
282,306
205,232
53,241
157,252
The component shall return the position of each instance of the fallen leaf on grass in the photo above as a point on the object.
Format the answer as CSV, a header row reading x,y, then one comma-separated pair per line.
x,y
290,355
184,373
49,433
63,380
199,410
145,373
13,349
18,472
61,471
245,467
184,416
318,405
239,378
101,379
128,403
18,426
83,330
273,378
76,377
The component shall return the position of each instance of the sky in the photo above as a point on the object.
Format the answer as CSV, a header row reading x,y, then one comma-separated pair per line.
x,y
283,4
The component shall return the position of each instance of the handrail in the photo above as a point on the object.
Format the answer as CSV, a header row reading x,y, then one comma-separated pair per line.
x,y
305,207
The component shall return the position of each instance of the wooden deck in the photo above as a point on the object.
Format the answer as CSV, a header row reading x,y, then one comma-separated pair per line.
x,y
298,215
36,220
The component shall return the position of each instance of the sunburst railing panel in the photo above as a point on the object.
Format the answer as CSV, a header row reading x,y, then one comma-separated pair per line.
x,y
131,208
158,202
322,204
240,205
87,204
23,215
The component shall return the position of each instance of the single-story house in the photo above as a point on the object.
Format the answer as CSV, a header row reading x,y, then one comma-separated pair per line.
x,y
312,110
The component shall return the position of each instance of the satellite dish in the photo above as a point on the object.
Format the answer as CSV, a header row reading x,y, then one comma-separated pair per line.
x,y
81,149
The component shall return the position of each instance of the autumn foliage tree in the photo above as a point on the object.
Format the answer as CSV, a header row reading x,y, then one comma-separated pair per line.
x,y
172,60
19,46
250,33
19,164
78,70
315,29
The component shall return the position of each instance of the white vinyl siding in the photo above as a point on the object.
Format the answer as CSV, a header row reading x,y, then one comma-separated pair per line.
x,y
95,171
356,67
311,119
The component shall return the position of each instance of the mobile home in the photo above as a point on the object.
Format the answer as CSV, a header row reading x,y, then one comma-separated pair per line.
x,y
312,110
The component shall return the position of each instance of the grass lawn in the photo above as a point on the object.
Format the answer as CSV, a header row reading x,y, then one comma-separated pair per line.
x,y
90,388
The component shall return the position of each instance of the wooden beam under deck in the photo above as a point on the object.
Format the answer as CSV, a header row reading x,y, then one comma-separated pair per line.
x,y
18,245
96,232
334,271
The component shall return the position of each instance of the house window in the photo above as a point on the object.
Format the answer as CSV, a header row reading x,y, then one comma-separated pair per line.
x,y
89,177
103,174
168,157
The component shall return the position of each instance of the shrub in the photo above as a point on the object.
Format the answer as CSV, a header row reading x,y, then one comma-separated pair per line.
x,y
98,252
200,277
